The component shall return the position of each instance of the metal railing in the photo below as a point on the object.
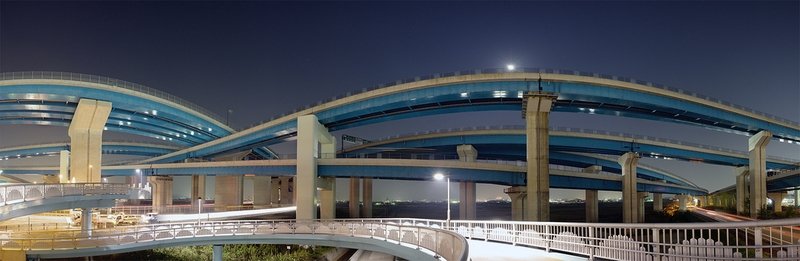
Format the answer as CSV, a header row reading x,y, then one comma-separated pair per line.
x,y
443,243
11,194
111,82
535,70
187,209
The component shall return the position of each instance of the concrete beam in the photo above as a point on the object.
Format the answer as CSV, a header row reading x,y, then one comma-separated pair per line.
x,y
642,196
228,191
198,189
591,200
777,201
63,167
353,200
216,253
275,190
286,190
537,107
757,147
327,197
467,153
313,142
262,190
86,140
161,191
658,202
466,203
518,196
630,198
682,201
741,188
367,195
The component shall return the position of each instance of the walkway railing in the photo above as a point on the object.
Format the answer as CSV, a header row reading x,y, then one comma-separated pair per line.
x,y
444,243
187,209
757,240
12,194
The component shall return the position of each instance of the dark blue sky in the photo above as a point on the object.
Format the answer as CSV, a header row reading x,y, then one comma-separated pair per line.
x,y
264,59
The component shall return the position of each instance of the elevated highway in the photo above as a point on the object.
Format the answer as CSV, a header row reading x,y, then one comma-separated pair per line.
x,y
510,173
28,199
109,147
495,90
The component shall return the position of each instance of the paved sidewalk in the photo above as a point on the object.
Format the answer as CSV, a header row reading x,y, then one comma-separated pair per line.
x,y
490,251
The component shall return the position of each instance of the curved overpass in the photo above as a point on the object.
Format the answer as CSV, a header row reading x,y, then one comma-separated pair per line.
x,y
109,147
510,173
28,199
493,90
509,142
410,242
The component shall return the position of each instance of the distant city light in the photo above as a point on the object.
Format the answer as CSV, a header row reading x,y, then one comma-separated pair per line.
x,y
511,67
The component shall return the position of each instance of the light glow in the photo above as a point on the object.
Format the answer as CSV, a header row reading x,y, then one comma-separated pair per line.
x,y
438,176
511,67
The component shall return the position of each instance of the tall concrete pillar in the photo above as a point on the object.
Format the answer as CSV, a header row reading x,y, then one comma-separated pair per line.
x,y
536,106
591,201
228,191
63,167
641,197
275,190
86,221
467,194
518,197
741,188
86,140
682,202
367,195
777,200
262,190
592,212
327,197
658,202
161,191
354,197
286,193
630,198
313,142
198,190
757,146
466,205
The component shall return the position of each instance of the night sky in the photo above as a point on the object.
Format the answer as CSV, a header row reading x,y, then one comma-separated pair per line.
x,y
262,59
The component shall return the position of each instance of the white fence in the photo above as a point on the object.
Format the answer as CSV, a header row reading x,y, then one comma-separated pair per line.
x,y
21,193
444,243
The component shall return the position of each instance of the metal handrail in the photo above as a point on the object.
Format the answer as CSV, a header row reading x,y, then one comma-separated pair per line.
x,y
442,242
112,82
14,193
536,70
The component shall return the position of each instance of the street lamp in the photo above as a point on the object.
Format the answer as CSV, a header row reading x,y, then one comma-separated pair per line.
x,y
199,209
440,176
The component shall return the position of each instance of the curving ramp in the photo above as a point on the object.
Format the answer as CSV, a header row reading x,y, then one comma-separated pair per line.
x,y
28,199
495,90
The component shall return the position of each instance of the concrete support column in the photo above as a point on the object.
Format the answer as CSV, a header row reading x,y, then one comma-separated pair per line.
x,y
466,192
161,191
228,191
262,190
592,212
591,200
536,110
287,196
313,142
757,146
366,188
353,200
327,197
198,189
741,188
797,198
518,195
216,253
466,202
63,167
682,202
275,190
86,221
86,140
630,198
658,202
641,197
777,201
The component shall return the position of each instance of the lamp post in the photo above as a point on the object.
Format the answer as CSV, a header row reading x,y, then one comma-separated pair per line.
x,y
199,209
440,176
